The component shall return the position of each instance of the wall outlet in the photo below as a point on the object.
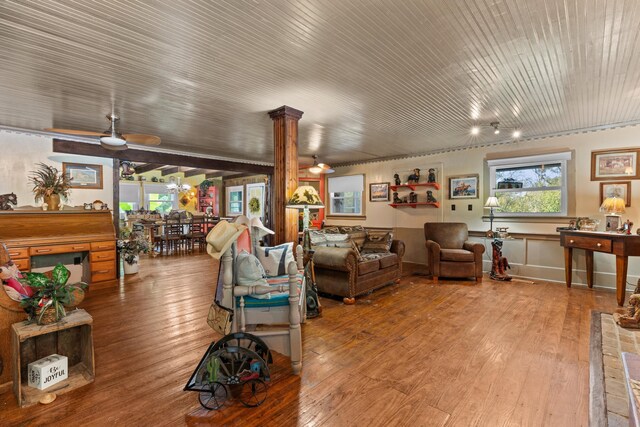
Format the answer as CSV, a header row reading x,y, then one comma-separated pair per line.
x,y
470,207
453,207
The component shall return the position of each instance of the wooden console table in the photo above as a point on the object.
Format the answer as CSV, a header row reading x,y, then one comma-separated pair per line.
x,y
621,245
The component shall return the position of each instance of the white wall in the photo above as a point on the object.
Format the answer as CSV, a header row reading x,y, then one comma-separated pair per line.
x,y
409,222
21,152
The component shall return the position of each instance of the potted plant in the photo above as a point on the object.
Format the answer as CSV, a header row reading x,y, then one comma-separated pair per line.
x,y
51,294
130,246
50,185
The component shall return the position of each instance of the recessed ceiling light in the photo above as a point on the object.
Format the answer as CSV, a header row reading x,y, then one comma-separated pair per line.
x,y
497,131
517,133
475,130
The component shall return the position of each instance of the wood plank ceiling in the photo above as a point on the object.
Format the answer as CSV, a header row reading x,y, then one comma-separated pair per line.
x,y
375,78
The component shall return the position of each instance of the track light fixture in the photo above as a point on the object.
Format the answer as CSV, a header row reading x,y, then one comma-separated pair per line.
x,y
515,134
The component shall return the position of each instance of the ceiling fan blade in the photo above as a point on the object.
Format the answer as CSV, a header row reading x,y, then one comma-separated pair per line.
x,y
139,138
75,132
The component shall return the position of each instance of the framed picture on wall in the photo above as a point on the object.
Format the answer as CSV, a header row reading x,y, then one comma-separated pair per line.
x,y
464,187
379,192
83,176
255,200
614,164
620,189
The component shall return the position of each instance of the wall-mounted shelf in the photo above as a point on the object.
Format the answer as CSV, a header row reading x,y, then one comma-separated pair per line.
x,y
414,186
413,205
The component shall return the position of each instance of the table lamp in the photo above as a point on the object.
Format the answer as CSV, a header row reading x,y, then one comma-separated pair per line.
x,y
492,203
305,197
612,207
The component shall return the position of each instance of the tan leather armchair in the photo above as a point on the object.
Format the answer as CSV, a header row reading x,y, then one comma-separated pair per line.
x,y
449,253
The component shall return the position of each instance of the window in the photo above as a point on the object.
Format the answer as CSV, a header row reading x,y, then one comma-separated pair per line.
x,y
234,200
530,186
129,197
345,195
159,198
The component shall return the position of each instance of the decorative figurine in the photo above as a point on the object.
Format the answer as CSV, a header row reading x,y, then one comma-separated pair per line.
x,y
499,264
432,175
6,200
430,198
154,179
630,319
396,199
413,197
396,178
414,177
627,226
405,199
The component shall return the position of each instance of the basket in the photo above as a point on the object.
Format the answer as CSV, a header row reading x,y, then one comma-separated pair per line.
x,y
6,302
48,317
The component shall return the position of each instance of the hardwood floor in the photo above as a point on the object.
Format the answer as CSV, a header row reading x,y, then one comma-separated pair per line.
x,y
454,354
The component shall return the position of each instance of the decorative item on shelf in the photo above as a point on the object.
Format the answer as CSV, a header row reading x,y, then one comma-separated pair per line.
x,y
430,197
127,169
305,197
432,175
51,294
502,232
587,224
142,178
414,178
45,206
413,197
97,205
492,203
161,179
612,207
396,199
50,185
396,179
131,178
130,245
154,179
626,227
88,206
6,200
105,207
405,199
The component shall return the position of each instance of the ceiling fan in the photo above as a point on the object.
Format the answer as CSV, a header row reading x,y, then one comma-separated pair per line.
x,y
111,139
318,168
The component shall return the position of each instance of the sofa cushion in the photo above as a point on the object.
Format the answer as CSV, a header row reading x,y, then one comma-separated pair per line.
x,y
331,230
368,266
458,255
389,260
377,242
357,233
317,238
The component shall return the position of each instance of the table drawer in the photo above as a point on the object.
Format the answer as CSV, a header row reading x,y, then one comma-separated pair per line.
x,y
102,256
104,270
59,249
589,243
16,253
103,246
23,264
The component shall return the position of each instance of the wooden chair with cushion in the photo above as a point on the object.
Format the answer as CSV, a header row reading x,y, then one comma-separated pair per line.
x,y
449,251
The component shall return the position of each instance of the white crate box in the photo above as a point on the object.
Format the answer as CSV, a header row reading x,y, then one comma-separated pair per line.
x,y
48,371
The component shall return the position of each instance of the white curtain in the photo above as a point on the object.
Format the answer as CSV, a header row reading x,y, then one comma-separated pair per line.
x,y
346,184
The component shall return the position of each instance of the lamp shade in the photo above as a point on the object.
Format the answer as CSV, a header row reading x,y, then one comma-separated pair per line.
x,y
305,196
492,202
613,205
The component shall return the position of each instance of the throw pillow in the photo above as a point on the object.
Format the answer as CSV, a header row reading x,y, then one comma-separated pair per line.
x,y
331,230
249,272
357,233
377,242
318,238
275,259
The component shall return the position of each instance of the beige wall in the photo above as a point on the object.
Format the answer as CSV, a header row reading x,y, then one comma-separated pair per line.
x,y
20,154
532,258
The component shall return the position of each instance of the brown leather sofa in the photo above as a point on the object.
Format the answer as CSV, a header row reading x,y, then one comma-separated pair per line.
x,y
449,253
338,271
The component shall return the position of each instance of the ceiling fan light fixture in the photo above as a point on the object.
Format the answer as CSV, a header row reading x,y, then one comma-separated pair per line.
x,y
112,140
315,169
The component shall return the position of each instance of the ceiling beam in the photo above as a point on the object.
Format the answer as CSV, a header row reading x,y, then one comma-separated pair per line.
x,y
147,167
219,174
171,169
142,156
196,171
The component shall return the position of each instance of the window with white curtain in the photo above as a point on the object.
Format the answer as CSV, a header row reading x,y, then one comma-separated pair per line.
x,y
129,197
346,194
530,186
157,197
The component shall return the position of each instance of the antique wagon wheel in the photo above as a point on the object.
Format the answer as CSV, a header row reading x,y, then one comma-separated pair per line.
x,y
253,393
213,396
245,340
